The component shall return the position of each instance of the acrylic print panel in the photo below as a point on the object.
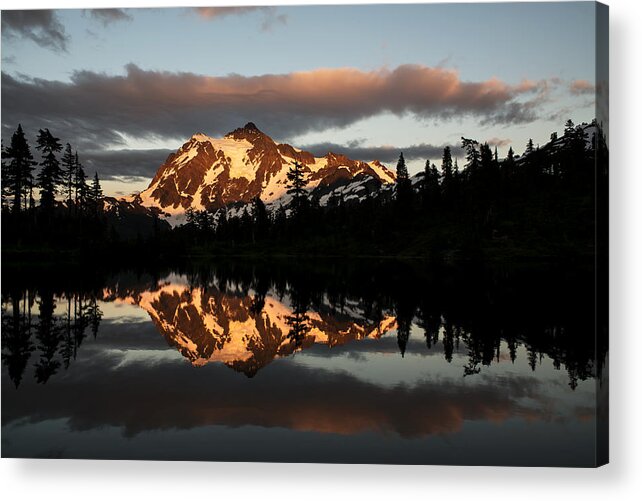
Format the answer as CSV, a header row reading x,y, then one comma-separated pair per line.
x,y
267,234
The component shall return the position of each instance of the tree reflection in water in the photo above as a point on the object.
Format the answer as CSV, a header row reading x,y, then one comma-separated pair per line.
x,y
277,310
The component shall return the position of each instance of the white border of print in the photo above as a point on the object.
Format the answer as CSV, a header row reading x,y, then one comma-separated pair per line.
x,y
621,479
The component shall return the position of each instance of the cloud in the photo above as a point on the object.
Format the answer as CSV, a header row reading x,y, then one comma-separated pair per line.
x,y
578,87
41,26
500,143
270,20
218,12
108,16
113,164
97,108
386,154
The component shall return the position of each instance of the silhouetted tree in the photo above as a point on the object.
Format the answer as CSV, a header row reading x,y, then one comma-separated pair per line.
x,y
96,195
50,174
81,188
529,147
68,163
430,184
473,157
19,170
296,188
261,217
447,171
404,188
4,182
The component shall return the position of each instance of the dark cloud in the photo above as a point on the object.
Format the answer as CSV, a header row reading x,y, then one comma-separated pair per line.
x,y
41,26
272,20
108,16
119,163
98,108
386,154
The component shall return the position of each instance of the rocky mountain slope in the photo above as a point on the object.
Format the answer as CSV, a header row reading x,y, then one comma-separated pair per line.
x,y
209,173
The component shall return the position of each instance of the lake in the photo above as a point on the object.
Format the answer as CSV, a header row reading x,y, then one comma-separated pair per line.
x,y
364,361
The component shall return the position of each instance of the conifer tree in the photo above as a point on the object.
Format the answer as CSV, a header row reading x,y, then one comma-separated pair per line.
x,y
68,174
261,217
5,178
296,187
508,165
426,175
473,156
529,146
431,183
81,189
50,174
95,194
404,188
402,170
447,167
19,170
485,157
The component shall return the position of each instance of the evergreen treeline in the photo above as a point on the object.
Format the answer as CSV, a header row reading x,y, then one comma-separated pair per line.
x,y
542,204
48,201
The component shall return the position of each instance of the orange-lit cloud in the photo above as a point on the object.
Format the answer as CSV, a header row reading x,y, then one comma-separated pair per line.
x,y
270,18
216,12
578,87
496,141
144,103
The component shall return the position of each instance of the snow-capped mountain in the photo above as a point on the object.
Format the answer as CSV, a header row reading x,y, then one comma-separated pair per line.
x,y
210,173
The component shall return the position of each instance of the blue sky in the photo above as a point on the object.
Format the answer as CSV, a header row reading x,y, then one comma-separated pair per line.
x,y
548,44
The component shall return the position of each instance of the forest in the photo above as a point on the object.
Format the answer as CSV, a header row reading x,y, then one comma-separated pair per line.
x,y
544,204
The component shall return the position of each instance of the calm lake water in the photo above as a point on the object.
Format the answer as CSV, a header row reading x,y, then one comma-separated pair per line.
x,y
365,362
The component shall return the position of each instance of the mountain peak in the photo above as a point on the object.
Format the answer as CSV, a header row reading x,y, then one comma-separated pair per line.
x,y
200,136
249,131
251,127
208,173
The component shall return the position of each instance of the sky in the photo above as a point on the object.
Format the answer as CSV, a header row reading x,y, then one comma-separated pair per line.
x,y
128,86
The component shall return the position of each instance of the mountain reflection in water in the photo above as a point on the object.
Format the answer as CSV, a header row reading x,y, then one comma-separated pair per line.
x,y
353,348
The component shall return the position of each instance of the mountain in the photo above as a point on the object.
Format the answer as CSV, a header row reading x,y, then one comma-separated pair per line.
x,y
209,173
246,332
